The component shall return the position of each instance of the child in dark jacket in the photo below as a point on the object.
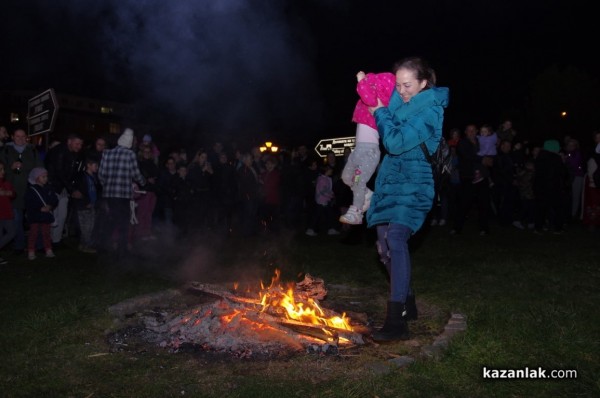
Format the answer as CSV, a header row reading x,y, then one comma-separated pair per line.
x,y
7,222
40,200
88,184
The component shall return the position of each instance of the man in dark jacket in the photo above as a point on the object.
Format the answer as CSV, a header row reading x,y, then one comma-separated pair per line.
x,y
64,162
505,193
471,192
19,159
550,187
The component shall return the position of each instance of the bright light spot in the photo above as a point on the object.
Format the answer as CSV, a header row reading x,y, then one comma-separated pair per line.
x,y
268,147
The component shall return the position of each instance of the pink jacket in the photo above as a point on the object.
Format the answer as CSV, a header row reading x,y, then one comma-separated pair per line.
x,y
324,190
373,86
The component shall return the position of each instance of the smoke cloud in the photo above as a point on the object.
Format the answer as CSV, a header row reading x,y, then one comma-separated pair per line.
x,y
231,65
227,66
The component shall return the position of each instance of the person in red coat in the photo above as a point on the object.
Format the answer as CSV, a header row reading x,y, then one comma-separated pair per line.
x,y
271,199
7,224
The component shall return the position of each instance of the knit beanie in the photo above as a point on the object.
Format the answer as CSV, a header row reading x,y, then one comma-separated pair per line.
x,y
126,139
35,173
551,146
147,138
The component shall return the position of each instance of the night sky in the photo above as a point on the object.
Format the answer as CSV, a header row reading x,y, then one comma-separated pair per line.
x,y
283,68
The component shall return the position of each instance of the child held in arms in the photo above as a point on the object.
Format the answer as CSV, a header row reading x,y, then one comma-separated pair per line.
x,y
40,200
364,159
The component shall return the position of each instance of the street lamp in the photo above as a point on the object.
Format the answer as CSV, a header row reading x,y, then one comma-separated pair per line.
x,y
269,147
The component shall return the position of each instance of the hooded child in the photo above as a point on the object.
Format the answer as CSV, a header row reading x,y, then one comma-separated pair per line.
x,y
40,200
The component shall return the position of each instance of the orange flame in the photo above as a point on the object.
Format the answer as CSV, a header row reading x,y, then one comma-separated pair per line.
x,y
308,312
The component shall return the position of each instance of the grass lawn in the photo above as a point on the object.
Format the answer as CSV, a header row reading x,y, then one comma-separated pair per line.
x,y
530,301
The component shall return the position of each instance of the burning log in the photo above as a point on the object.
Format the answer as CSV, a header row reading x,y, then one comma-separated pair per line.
x,y
321,332
312,287
325,333
287,304
219,293
309,288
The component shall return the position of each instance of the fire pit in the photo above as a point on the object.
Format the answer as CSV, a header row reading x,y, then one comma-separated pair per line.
x,y
269,320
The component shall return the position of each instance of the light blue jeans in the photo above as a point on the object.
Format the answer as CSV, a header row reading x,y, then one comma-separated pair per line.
x,y
392,246
364,158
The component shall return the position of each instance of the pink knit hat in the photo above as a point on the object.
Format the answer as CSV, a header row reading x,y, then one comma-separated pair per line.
x,y
35,173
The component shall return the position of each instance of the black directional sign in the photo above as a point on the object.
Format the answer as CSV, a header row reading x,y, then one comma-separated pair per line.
x,y
41,112
337,145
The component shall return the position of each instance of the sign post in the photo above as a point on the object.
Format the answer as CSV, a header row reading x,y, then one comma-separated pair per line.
x,y
336,145
41,113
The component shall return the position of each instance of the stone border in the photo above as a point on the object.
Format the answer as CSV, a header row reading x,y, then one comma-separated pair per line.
x,y
457,323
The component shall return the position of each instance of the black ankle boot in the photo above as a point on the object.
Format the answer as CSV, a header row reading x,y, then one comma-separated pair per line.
x,y
395,327
411,308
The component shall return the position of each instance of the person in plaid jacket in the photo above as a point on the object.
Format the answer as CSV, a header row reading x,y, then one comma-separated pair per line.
x,y
118,171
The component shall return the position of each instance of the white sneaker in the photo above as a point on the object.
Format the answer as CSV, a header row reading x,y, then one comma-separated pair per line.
x,y
368,197
333,232
517,224
50,254
353,216
442,222
433,223
31,255
311,232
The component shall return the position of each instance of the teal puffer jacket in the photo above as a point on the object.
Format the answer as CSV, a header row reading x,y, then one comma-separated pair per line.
x,y
404,184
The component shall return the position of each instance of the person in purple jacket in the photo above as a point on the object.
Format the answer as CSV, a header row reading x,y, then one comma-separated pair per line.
x,y
488,143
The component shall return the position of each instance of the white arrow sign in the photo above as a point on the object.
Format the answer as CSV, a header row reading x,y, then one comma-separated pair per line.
x,y
336,145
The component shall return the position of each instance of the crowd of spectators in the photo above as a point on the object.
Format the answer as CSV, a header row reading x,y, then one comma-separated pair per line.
x,y
228,191
538,186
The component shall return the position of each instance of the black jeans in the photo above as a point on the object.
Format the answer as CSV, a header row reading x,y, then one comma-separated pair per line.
x,y
117,221
469,194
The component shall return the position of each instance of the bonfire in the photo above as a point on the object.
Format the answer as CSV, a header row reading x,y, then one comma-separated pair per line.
x,y
268,320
